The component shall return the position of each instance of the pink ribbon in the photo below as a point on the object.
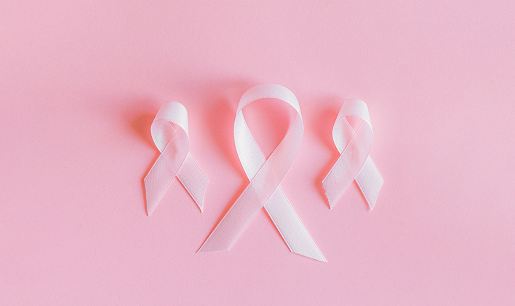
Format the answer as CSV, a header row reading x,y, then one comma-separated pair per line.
x,y
354,162
265,175
173,143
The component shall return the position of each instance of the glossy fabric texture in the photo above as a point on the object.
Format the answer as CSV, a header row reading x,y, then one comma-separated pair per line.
x,y
354,162
174,160
265,176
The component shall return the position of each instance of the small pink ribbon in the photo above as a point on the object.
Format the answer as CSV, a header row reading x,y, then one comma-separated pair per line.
x,y
354,162
265,175
173,143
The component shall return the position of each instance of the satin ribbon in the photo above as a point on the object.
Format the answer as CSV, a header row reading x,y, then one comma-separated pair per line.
x,y
175,160
265,175
354,162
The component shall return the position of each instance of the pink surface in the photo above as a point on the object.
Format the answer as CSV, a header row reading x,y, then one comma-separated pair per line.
x,y
81,82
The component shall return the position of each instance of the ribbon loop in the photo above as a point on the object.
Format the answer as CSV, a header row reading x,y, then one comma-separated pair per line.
x,y
354,162
265,176
174,160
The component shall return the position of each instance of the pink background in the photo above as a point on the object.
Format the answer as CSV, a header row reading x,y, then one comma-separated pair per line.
x,y
81,82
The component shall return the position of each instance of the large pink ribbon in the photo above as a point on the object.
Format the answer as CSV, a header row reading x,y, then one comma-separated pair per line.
x,y
265,175
354,162
173,143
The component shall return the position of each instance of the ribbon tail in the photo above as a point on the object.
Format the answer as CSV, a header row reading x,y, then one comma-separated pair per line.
x,y
337,180
242,211
289,225
164,170
157,181
194,181
370,182
348,165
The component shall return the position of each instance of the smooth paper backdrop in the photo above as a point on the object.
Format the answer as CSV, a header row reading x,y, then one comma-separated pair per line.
x,y
80,82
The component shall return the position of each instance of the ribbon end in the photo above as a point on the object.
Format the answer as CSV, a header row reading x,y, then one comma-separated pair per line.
x,y
330,199
198,195
313,253
373,201
214,244
150,207
209,249
331,196
307,249
199,200
331,203
151,203
371,197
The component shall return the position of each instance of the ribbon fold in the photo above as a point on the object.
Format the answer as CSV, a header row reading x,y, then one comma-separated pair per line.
x,y
175,160
265,176
354,162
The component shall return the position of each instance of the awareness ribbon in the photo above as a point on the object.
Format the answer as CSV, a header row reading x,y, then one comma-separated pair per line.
x,y
354,162
265,175
175,160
